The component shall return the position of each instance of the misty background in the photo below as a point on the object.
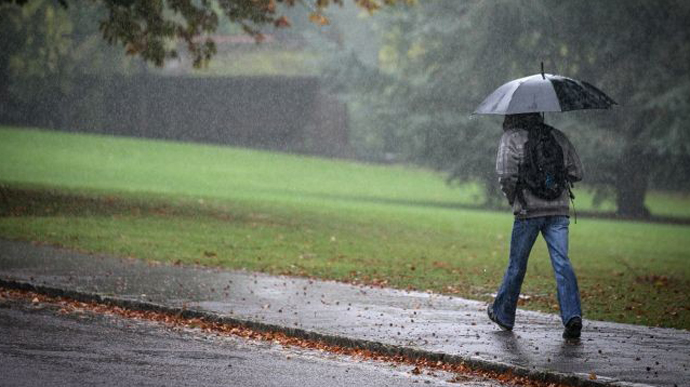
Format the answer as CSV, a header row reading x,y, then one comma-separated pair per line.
x,y
396,86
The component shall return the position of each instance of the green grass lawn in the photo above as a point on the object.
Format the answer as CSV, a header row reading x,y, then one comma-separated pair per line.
x,y
278,213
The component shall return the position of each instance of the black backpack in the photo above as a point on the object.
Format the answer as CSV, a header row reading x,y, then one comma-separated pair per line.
x,y
543,171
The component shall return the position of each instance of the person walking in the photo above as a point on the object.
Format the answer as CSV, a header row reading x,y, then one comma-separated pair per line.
x,y
536,166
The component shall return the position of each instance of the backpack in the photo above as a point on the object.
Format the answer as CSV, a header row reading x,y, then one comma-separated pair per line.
x,y
543,170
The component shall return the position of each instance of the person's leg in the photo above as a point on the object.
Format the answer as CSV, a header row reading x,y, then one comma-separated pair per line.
x,y
555,232
524,234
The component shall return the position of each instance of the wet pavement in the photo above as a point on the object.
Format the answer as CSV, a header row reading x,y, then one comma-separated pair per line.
x,y
104,350
619,353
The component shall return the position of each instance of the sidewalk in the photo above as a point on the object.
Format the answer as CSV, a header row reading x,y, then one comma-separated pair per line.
x,y
620,354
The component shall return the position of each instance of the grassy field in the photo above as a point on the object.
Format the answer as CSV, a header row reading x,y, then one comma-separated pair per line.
x,y
277,213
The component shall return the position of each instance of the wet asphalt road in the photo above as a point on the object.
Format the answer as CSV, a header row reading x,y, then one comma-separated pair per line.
x,y
39,346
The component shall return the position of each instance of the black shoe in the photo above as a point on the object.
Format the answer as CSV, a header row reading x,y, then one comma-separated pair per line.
x,y
572,329
492,317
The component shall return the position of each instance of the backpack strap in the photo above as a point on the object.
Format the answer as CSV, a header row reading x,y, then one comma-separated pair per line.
x,y
572,196
519,190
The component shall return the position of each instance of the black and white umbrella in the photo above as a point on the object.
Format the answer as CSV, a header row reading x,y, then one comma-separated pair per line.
x,y
544,93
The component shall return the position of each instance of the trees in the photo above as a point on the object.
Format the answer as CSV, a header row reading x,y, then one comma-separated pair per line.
x,y
35,41
45,48
438,61
449,55
640,53
149,28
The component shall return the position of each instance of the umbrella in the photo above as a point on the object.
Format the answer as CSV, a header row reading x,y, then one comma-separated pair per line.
x,y
544,93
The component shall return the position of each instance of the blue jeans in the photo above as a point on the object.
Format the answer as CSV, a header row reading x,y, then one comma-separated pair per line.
x,y
525,232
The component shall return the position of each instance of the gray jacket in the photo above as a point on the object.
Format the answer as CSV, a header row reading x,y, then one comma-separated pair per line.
x,y
511,154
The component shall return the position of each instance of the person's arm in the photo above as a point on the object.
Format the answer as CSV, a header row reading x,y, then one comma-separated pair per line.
x,y
574,165
507,161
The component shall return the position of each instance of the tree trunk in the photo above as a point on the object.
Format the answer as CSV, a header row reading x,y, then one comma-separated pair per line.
x,y
632,183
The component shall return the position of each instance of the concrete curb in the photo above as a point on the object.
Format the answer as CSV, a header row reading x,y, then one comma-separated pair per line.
x,y
575,380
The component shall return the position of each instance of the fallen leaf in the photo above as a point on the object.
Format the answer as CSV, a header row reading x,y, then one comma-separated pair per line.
x,y
318,18
282,22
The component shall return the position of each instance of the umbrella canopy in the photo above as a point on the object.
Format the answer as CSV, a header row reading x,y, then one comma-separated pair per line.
x,y
544,93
